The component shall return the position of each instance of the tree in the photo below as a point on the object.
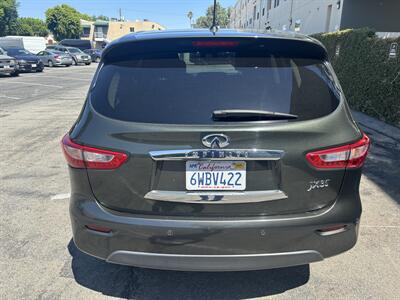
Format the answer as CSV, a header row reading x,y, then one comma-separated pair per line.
x,y
100,17
85,17
222,17
64,22
31,27
8,17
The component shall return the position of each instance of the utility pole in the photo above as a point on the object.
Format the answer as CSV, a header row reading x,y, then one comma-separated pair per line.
x,y
291,16
190,16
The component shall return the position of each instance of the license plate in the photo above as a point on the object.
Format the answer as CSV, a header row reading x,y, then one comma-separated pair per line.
x,y
6,67
215,175
33,65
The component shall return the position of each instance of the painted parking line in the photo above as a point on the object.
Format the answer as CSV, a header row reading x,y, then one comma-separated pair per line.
x,y
69,78
38,84
9,97
61,196
380,226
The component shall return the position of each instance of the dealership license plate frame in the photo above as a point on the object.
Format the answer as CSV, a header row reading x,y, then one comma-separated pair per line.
x,y
216,175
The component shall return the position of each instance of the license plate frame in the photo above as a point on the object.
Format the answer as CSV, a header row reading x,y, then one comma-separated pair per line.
x,y
215,175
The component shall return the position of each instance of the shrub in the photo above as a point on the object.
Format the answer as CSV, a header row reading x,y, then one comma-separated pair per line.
x,y
370,79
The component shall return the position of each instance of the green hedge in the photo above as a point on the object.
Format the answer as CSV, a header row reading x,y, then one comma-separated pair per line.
x,y
370,79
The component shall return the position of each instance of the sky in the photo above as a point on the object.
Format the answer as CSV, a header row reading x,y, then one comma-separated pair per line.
x,y
170,13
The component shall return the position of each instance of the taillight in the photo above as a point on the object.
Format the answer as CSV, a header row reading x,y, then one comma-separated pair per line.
x,y
79,156
348,156
56,56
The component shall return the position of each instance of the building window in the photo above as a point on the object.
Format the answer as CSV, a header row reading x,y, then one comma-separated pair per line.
x,y
263,11
276,3
269,4
254,12
132,29
258,15
86,32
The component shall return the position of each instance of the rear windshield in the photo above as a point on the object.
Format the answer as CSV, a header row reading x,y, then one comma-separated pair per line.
x,y
74,50
185,86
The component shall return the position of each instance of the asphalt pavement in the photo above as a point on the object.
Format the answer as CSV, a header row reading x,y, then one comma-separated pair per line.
x,y
40,261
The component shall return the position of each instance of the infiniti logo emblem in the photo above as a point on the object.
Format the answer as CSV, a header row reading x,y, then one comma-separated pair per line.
x,y
215,141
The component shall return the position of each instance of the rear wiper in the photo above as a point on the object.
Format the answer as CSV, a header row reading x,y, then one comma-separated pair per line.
x,y
250,115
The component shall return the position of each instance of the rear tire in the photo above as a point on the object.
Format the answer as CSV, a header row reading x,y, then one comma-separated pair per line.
x,y
50,63
87,63
97,59
14,74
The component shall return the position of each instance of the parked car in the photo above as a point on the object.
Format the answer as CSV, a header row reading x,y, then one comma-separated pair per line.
x,y
53,58
27,61
33,44
8,64
77,43
95,54
78,56
51,47
215,151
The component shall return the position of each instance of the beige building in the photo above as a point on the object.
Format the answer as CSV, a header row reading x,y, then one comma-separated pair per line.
x,y
102,32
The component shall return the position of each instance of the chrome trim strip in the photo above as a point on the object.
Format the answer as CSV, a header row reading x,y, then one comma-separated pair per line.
x,y
215,197
217,154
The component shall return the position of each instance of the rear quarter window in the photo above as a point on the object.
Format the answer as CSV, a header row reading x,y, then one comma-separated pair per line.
x,y
186,83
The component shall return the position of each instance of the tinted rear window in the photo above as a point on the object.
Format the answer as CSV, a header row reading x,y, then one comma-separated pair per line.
x,y
185,84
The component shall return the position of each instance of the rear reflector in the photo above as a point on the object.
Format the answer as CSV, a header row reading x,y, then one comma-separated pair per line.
x,y
98,228
215,43
348,156
331,230
81,157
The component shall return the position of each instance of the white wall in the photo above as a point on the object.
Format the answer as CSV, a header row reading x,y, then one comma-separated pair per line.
x,y
311,14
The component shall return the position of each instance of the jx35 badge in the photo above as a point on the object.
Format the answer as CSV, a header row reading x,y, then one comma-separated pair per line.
x,y
318,184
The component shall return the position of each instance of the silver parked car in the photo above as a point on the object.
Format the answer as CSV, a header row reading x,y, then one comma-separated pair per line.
x,y
8,64
53,58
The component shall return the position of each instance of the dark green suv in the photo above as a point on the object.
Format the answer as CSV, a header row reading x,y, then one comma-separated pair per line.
x,y
215,152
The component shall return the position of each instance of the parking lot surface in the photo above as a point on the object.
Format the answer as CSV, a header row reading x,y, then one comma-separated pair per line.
x,y
40,261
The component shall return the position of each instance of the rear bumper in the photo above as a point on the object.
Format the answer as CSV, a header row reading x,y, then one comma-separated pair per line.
x,y
27,67
63,62
83,60
12,69
213,244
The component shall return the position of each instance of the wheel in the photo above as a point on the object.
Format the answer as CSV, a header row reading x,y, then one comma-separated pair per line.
x,y
14,74
87,63
50,63
39,70
97,59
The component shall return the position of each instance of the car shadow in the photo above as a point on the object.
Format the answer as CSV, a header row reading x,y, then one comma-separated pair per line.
x,y
383,163
131,282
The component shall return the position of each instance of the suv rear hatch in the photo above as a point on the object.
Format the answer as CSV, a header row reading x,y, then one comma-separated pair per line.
x,y
158,102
